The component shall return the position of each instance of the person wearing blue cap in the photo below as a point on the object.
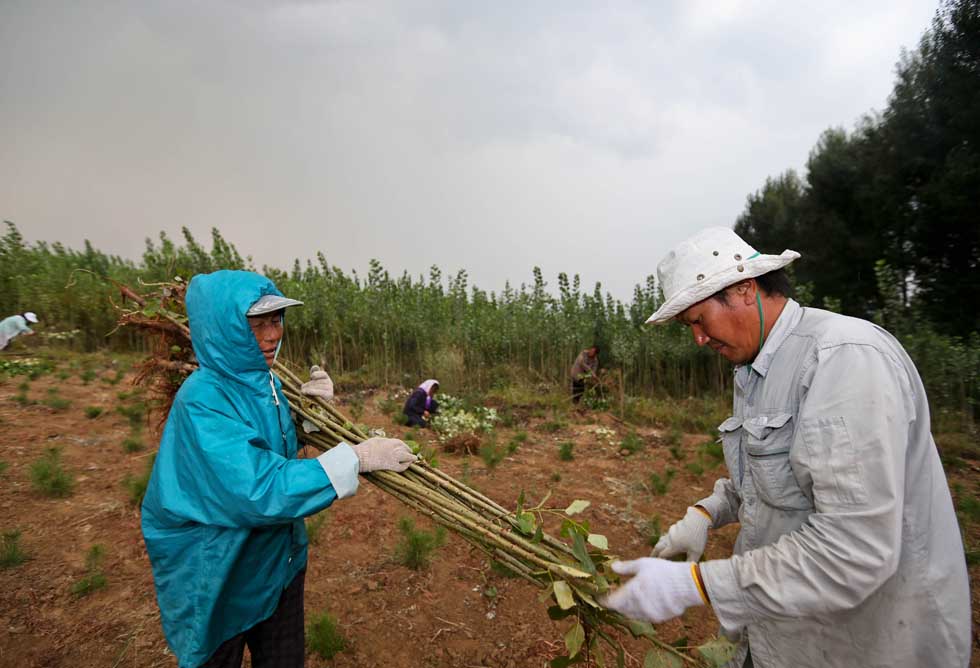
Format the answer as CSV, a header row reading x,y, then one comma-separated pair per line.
x,y
222,518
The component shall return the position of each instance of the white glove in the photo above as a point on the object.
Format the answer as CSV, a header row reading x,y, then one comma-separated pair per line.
x,y
660,589
319,384
688,536
383,454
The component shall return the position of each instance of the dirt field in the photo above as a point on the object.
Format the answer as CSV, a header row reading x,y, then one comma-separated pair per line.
x,y
459,612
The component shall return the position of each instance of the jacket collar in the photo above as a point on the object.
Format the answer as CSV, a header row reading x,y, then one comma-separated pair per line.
x,y
785,324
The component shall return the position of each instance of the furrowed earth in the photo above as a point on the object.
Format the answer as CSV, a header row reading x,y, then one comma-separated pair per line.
x,y
457,612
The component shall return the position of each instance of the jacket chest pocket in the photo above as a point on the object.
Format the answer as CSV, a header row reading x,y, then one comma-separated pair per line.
x,y
767,444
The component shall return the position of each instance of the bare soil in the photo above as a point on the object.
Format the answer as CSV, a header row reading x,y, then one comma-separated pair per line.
x,y
458,612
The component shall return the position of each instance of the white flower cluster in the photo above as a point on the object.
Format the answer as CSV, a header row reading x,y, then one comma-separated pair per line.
x,y
605,434
67,335
453,419
17,366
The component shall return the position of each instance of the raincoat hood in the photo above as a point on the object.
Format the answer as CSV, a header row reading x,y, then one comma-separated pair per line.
x,y
222,339
427,385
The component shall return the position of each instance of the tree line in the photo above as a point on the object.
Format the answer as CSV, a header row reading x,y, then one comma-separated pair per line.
x,y
902,188
886,218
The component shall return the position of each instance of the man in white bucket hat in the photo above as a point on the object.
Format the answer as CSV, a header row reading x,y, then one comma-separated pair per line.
x,y
849,553
14,326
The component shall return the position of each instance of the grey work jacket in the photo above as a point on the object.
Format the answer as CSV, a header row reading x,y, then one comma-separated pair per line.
x,y
849,553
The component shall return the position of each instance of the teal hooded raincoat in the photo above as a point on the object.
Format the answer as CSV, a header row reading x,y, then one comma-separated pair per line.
x,y
223,512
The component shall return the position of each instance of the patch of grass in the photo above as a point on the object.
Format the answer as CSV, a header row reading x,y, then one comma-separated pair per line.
x,y
21,398
675,437
136,485
693,415
314,525
556,476
676,452
324,637
551,426
63,375
960,445
969,508
714,450
632,443
507,419
133,442
135,413
49,478
416,547
696,468
3,467
659,484
113,379
11,553
388,406
492,454
654,530
355,406
92,412
565,451
94,578
520,436
57,403
87,376
24,387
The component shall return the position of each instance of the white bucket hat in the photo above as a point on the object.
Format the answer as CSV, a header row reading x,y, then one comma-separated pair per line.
x,y
711,260
30,316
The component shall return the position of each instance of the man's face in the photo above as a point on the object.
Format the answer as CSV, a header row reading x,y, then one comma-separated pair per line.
x,y
268,332
730,330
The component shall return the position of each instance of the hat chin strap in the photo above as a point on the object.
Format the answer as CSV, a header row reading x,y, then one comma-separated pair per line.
x,y
762,322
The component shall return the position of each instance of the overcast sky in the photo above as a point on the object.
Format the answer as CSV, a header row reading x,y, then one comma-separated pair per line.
x,y
585,137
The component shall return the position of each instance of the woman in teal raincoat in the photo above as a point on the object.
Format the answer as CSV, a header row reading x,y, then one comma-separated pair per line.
x,y
223,512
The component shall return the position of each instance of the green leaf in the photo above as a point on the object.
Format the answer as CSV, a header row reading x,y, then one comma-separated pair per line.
x,y
717,652
599,541
555,612
520,503
563,594
577,506
574,572
657,658
641,629
574,639
538,535
620,657
588,599
582,554
525,523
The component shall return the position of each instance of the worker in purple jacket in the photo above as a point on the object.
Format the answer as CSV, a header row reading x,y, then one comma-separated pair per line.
x,y
421,405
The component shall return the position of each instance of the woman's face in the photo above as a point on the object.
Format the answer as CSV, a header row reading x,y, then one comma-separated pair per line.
x,y
433,390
